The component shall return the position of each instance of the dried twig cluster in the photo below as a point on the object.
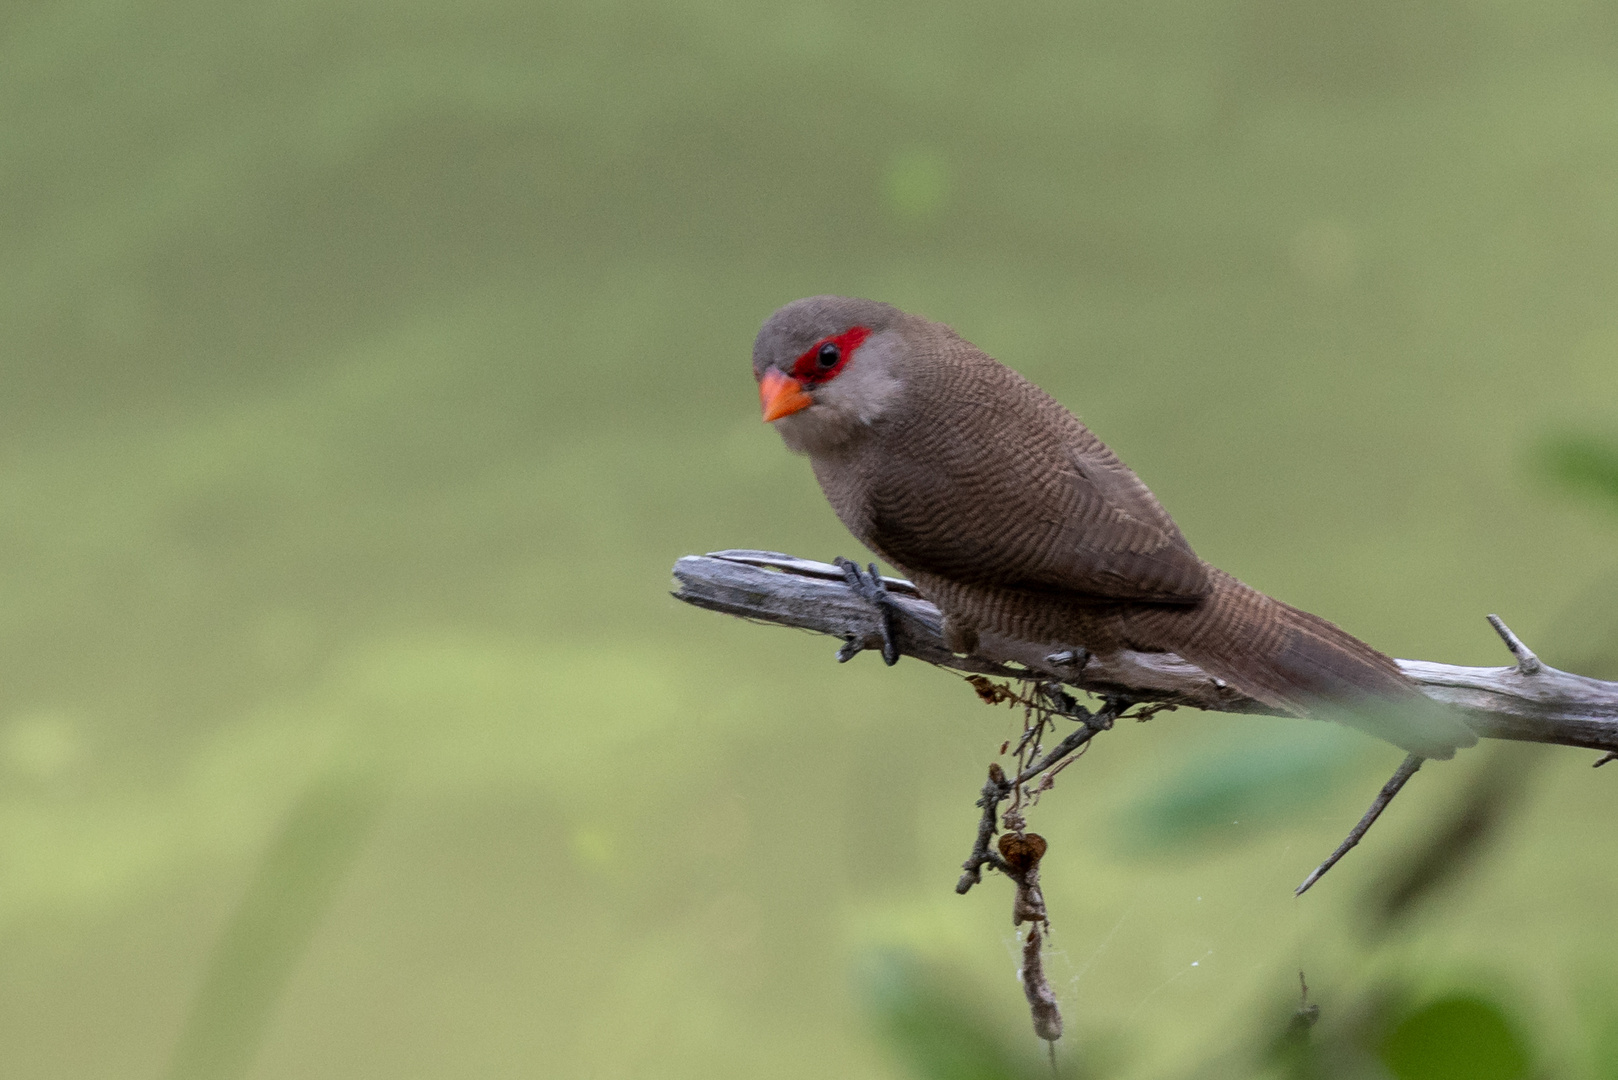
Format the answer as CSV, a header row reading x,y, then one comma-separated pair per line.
x,y
1018,852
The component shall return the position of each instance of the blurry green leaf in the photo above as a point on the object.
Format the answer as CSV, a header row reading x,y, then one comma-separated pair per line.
x,y
1583,463
1584,637
272,926
1252,783
1456,835
1456,1038
1295,1050
936,1035
1599,1007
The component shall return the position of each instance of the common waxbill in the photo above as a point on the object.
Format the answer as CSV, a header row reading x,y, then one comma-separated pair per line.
x,y
1007,513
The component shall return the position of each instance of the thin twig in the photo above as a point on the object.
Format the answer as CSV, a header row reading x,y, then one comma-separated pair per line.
x,y
1527,662
1383,798
1101,722
1030,736
995,789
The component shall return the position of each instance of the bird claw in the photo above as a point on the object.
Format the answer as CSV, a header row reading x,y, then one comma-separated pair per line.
x,y
1070,658
868,584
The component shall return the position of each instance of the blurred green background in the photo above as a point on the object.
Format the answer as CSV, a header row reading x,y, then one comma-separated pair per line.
x,y
364,367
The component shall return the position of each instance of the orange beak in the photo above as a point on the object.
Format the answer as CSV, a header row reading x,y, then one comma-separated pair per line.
x,y
781,395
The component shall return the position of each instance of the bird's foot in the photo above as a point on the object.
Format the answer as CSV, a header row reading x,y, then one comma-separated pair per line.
x,y
1073,659
868,584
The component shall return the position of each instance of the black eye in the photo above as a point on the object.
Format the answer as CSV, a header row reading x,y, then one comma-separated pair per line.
x,y
828,355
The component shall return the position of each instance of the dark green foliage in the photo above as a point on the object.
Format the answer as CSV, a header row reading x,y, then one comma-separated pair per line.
x,y
1462,1037
1600,1011
939,1036
1382,1033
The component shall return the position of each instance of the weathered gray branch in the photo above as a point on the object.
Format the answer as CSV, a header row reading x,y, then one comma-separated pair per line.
x,y
1529,701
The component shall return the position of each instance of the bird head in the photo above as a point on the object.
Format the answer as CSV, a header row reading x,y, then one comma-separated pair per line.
x,y
827,368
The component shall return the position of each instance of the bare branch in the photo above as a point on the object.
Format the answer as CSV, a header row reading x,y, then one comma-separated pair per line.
x,y
1379,804
1529,701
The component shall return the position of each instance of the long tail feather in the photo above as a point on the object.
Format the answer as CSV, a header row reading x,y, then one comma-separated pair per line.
x,y
1296,661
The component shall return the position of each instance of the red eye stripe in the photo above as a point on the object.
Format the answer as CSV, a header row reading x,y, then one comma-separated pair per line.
x,y
807,370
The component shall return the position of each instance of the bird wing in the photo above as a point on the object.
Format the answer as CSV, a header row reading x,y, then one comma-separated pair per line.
x,y
1024,496
1116,540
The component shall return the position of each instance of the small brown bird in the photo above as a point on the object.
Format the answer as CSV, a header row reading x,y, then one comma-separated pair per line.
x,y
1013,518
